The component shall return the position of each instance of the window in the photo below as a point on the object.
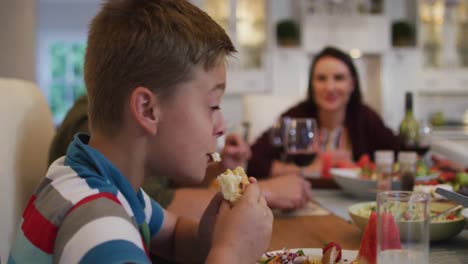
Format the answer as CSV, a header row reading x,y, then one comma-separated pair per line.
x,y
65,83
245,22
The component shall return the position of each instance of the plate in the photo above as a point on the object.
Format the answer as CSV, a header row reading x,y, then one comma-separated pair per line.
x,y
438,231
347,256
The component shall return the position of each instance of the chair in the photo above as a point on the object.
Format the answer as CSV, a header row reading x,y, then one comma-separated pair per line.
x,y
261,110
26,133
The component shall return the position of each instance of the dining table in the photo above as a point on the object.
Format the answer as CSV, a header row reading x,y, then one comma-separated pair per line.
x,y
313,230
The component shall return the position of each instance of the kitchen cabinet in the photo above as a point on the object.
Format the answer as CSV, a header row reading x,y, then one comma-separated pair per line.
x,y
245,23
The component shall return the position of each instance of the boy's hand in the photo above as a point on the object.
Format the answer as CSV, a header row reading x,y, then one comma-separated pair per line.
x,y
243,230
236,152
207,223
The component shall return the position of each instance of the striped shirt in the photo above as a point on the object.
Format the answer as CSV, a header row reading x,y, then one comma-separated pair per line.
x,y
85,211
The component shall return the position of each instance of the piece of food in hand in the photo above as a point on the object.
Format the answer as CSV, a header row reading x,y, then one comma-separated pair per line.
x,y
233,183
215,157
331,253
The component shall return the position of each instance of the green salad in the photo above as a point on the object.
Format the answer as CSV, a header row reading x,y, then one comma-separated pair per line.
x,y
408,213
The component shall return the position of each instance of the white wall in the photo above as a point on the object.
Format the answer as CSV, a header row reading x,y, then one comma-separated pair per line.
x,y
70,18
60,20
17,39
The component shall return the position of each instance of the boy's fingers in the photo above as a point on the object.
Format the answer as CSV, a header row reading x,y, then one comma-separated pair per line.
x,y
224,207
263,201
252,192
214,204
252,180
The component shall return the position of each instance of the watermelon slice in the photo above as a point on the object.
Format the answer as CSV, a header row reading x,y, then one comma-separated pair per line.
x,y
368,249
391,233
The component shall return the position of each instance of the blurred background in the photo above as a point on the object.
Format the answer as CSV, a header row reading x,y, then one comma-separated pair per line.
x,y
398,46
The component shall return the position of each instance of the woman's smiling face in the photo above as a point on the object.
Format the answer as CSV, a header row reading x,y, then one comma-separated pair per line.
x,y
332,84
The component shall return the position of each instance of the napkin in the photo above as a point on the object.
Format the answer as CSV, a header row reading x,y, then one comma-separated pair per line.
x,y
310,209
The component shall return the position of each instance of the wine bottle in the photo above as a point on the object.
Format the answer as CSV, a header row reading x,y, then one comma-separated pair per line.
x,y
409,126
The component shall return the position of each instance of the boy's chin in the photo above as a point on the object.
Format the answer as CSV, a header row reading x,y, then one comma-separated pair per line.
x,y
190,178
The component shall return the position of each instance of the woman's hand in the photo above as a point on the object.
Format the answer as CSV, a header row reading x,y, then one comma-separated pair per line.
x,y
289,192
236,152
243,230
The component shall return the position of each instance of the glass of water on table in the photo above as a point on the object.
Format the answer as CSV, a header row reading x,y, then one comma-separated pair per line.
x,y
403,220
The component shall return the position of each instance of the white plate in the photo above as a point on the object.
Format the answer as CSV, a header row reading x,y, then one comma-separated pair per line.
x,y
348,255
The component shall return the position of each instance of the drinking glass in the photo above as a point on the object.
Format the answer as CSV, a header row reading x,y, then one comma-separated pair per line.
x,y
277,133
301,141
425,137
402,227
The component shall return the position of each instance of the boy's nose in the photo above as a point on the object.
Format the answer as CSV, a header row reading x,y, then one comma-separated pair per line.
x,y
220,127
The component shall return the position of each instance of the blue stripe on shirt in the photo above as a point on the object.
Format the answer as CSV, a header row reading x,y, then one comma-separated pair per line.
x,y
23,251
157,218
115,251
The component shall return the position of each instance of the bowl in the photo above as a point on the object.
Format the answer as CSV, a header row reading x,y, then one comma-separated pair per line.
x,y
360,212
465,214
350,182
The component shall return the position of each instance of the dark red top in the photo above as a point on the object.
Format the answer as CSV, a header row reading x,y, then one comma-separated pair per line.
x,y
366,131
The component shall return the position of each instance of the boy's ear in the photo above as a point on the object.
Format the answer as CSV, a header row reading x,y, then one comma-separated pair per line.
x,y
145,109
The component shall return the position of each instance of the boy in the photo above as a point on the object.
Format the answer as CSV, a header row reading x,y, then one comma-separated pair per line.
x,y
155,75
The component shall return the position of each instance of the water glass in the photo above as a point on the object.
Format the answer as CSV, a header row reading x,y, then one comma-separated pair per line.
x,y
403,220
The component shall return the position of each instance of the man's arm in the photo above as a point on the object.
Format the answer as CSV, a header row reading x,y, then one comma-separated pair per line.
x,y
176,239
190,202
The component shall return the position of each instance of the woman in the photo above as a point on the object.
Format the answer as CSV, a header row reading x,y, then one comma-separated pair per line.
x,y
334,100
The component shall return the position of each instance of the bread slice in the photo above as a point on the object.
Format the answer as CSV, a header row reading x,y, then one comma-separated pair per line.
x,y
233,183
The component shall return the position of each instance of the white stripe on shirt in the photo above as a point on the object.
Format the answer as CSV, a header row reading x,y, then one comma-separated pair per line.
x,y
97,232
148,208
69,185
125,204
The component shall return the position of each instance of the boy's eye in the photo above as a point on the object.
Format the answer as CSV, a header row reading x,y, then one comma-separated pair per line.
x,y
216,107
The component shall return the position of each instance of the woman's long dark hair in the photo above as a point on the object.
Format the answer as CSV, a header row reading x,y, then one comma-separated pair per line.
x,y
355,98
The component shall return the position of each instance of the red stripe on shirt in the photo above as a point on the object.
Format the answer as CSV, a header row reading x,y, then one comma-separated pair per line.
x,y
145,248
42,233
88,199
37,229
30,205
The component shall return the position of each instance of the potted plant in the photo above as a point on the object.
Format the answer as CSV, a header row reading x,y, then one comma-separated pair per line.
x,y
403,34
287,33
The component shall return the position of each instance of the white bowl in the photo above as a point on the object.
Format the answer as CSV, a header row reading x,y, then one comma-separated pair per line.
x,y
350,182
465,214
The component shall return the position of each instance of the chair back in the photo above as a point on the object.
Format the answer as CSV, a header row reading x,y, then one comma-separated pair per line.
x,y
261,111
26,133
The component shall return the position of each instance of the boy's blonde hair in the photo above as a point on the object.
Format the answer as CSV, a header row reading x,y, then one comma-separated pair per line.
x,y
150,43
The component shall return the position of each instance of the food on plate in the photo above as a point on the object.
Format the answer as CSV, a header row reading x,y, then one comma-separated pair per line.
x,y
215,157
331,255
368,249
430,189
233,183
408,214
287,256
440,172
